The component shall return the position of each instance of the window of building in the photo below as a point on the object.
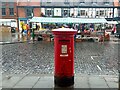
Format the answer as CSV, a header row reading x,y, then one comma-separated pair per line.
x,y
78,13
3,8
66,13
3,11
101,12
48,13
3,4
66,1
119,12
106,1
97,13
29,12
49,1
11,3
11,11
82,12
82,1
94,1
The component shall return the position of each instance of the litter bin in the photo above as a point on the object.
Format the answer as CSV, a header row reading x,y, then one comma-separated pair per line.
x,y
13,29
64,56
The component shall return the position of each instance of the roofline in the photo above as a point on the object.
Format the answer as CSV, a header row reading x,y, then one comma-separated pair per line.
x,y
69,6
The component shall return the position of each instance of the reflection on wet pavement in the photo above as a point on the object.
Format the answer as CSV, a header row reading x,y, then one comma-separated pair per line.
x,y
13,37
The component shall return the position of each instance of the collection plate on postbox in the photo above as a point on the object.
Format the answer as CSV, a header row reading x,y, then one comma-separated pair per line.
x,y
63,51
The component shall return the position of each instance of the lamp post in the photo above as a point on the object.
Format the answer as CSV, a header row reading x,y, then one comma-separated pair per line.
x,y
103,28
17,15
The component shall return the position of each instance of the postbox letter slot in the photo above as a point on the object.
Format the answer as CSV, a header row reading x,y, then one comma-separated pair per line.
x,y
64,40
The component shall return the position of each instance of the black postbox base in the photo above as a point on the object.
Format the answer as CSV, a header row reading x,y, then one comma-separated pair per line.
x,y
64,81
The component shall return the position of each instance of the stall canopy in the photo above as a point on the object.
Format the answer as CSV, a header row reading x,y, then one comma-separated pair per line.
x,y
8,22
67,20
112,22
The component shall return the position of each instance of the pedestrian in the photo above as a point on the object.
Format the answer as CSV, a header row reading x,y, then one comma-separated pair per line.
x,y
91,27
27,31
114,29
24,29
83,28
22,25
27,28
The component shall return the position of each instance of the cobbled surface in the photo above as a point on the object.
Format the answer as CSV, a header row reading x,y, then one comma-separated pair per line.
x,y
90,58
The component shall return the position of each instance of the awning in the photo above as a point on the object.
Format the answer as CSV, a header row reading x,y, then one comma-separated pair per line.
x,y
68,20
112,22
7,20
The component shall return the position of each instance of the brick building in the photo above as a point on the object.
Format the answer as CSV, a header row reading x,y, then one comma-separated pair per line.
x,y
8,10
117,4
8,13
28,9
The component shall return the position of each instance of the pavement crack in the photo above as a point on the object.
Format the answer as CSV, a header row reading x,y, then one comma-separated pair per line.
x,y
36,82
18,81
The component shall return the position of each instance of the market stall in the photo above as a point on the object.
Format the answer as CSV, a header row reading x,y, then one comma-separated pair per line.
x,y
68,20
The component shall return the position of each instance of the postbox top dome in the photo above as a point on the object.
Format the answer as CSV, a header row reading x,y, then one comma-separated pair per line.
x,y
65,29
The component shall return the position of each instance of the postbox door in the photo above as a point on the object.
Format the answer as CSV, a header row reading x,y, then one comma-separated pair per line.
x,y
66,57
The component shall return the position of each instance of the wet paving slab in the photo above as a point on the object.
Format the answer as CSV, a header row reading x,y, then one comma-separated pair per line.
x,y
91,58
8,37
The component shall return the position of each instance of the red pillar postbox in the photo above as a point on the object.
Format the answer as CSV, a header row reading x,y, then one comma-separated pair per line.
x,y
64,56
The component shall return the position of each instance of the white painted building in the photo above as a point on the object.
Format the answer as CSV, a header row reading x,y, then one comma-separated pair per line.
x,y
80,8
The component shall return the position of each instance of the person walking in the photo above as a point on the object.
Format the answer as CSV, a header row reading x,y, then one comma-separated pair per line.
x,y
22,26
83,28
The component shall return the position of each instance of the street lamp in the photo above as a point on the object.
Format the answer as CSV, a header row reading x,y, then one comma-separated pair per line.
x,y
103,29
17,15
